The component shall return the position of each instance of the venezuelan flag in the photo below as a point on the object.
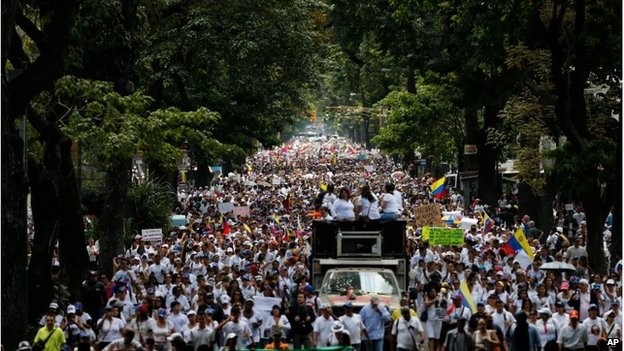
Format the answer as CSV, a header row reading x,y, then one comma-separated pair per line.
x,y
467,296
524,243
438,188
247,228
488,223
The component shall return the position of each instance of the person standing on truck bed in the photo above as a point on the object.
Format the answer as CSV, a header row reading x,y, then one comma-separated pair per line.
x,y
301,318
374,316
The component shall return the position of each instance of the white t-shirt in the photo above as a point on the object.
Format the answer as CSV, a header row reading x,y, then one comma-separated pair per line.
x,y
323,327
594,329
391,204
406,333
354,325
365,205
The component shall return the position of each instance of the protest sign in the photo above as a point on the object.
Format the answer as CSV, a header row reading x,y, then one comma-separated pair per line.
x,y
151,234
263,305
242,211
225,207
466,222
443,236
427,215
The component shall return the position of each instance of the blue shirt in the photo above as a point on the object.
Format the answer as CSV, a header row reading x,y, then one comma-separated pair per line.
x,y
374,320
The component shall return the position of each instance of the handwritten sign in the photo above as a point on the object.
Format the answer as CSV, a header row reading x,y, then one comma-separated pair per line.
x,y
443,236
152,234
242,211
427,215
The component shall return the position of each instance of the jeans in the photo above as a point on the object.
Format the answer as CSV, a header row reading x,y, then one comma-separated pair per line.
x,y
374,345
388,216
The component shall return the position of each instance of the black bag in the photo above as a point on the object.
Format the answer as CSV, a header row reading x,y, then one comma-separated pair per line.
x,y
424,316
40,345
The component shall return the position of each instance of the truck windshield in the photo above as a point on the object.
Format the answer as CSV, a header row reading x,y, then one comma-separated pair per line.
x,y
363,283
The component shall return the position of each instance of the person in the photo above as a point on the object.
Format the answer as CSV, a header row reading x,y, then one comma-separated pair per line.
x,y
330,197
406,332
53,310
389,206
276,340
375,315
352,323
342,209
177,342
163,328
203,334
231,342
50,337
301,319
236,325
613,329
433,325
457,339
72,325
179,320
254,322
125,343
338,335
561,317
522,335
276,319
141,324
595,327
573,336
109,327
501,318
547,329
93,295
484,339
322,327
366,210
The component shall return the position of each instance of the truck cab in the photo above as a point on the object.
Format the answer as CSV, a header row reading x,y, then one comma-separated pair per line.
x,y
350,263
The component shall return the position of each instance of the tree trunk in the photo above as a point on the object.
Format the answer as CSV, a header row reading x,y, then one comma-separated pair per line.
x,y
113,213
46,217
72,244
488,157
595,216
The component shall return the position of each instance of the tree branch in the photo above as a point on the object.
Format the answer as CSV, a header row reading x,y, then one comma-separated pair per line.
x,y
30,29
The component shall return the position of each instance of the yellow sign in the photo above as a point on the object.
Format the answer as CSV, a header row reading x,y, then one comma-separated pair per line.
x,y
443,236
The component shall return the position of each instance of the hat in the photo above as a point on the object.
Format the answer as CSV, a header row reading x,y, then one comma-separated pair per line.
x,y
595,286
308,288
348,304
209,295
325,306
565,286
593,306
480,303
121,289
559,304
231,336
574,314
137,237
71,309
108,308
250,300
191,312
225,299
162,312
457,297
583,281
53,306
142,308
229,249
176,337
544,310
337,327
23,345
78,306
500,283
610,282
559,229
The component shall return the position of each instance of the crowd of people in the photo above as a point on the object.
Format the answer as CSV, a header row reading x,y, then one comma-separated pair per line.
x,y
196,288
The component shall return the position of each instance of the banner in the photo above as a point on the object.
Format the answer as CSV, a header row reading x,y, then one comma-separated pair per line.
x,y
443,236
427,215
242,211
151,234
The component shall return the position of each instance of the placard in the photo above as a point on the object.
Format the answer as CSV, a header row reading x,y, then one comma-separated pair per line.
x,y
569,207
152,234
225,207
443,236
242,211
466,223
427,215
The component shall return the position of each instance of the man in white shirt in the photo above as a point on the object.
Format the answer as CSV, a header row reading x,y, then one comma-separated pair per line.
x,y
502,318
594,326
322,327
179,320
352,322
407,332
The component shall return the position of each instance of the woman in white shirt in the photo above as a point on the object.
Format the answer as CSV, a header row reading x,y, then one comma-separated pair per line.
x,y
613,329
389,205
367,204
110,327
547,329
276,319
342,209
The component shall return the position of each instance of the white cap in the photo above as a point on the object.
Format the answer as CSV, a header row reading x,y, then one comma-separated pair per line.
x,y
224,298
23,345
610,281
229,249
71,309
191,312
231,336
53,305
137,237
560,229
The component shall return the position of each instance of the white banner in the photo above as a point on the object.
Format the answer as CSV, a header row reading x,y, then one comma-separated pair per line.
x,y
152,234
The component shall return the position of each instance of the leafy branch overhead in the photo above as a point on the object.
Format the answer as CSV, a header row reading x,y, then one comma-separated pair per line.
x,y
111,127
